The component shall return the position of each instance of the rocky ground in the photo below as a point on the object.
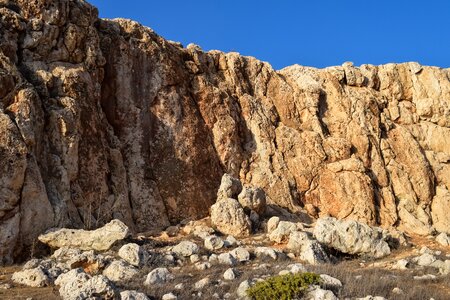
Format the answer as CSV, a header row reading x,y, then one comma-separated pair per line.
x,y
202,259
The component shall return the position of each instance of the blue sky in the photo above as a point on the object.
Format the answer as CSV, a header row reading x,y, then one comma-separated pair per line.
x,y
315,33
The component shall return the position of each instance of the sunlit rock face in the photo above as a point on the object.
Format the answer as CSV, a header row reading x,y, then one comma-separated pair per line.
x,y
104,119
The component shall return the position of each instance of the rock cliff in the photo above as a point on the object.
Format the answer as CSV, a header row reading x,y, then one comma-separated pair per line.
x,y
103,119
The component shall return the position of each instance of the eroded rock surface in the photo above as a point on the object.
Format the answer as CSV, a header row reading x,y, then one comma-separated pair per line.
x,y
104,119
100,239
352,237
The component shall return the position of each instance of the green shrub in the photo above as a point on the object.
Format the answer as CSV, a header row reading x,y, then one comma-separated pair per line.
x,y
283,287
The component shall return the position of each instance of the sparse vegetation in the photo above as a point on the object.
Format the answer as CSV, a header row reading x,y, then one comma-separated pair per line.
x,y
283,287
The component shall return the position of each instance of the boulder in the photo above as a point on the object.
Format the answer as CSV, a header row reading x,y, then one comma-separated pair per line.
x,y
240,254
283,230
351,237
35,277
253,199
308,249
186,248
100,239
133,254
120,271
228,216
76,284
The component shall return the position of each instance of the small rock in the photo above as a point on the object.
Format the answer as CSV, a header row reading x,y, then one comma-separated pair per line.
x,y
213,242
370,297
201,284
402,264
186,248
158,275
169,258
397,291
230,187
443,239
426,250
229,274
194,258
240,254
169,296
253,199
202,266
297,268
425,259
284,272
262,252
317,293
231,241
133,295
330,283
179,286
31,264
36,277
213,258
5,286
242,289
272,224
226,259
133,254
119,271
172,230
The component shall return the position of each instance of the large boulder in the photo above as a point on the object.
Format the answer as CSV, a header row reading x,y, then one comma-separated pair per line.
x,y
351,237
100,239
228,216
76,284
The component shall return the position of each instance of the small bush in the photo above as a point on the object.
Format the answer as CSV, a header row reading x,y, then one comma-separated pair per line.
x,y
283,287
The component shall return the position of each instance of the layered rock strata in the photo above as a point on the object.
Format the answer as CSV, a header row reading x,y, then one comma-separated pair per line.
x,y
103,119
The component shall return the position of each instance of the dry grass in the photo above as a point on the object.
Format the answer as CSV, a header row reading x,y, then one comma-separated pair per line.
x,y
360,282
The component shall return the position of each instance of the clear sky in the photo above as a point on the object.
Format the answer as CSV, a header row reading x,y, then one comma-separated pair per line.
x,y
315,33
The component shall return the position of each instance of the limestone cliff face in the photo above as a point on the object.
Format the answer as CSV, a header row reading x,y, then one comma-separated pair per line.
x,y
103,119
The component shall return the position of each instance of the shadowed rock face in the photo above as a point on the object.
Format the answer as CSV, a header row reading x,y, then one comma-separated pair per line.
x,y
103,119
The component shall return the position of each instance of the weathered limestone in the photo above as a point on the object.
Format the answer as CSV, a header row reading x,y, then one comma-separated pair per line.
x,y
351,237
104,119
100,239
